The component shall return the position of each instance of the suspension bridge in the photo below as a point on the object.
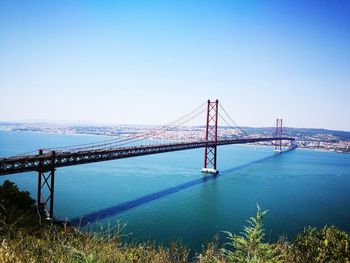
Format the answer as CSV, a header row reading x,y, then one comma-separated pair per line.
x,y
46,161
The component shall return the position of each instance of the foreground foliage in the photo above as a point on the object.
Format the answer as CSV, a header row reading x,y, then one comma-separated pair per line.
x,y
328,244
16,207
69,245
249,247
21,240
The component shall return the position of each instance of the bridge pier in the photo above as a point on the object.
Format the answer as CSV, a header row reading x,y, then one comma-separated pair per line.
x,y
46,187
210,151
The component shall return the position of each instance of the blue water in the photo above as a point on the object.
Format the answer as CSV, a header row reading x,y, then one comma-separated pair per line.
x,y
165,197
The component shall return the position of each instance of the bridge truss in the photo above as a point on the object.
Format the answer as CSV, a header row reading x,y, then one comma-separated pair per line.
x,y
46,161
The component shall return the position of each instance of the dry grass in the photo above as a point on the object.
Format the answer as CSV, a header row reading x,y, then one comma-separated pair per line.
x,y
56,244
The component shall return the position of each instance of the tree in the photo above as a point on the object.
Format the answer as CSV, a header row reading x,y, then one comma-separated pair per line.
x,y
249,247
17,208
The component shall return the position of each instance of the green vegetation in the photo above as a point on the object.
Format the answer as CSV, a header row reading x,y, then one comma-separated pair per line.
x,y
328,244
17,209
250,247
22,240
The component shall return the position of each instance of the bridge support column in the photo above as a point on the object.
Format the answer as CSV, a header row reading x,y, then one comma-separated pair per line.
x,y
46,187
278,135
210,151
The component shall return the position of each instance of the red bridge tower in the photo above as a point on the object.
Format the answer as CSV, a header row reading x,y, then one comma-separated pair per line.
x,y
211,135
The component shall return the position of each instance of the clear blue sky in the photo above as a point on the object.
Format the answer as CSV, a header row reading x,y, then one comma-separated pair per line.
x,y
147,62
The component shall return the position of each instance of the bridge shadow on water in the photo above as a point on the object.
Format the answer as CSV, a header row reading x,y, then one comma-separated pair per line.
x,y
111,211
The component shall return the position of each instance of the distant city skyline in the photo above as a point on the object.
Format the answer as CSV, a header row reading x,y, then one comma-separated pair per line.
x,y
148,62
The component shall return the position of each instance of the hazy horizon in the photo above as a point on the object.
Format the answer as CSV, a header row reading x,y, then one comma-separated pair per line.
x,y
96,124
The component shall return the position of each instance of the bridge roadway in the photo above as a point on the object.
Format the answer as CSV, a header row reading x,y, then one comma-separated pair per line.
x,y
52,160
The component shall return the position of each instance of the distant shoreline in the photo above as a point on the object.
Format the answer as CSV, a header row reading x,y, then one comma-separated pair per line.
x,y
109,136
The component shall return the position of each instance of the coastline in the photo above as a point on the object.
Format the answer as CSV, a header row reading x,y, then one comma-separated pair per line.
x,y
109,136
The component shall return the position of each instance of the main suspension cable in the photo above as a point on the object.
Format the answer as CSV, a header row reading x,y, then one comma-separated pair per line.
x,y
170,125
147,135
234,123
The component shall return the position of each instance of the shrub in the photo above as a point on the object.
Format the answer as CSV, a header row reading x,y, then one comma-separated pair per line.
x,y
17,208
211,253
328,244
249,247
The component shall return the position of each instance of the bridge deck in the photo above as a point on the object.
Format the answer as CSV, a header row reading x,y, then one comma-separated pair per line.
x,y
46,161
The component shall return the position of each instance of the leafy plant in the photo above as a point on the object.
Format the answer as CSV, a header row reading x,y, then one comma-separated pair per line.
x,y
249,247
17,208
81,257
328,244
